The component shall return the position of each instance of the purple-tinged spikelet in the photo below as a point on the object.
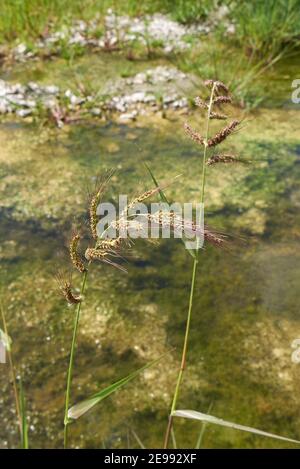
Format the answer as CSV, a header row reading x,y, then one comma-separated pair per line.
x,y
219,85
193,134
225,158
200,103
221,159
217,115
223,134
222,100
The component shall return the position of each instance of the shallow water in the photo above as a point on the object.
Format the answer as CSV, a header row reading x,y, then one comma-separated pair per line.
x,y
246,311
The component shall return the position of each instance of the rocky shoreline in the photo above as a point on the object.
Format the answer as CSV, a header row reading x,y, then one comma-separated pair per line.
x,y
155,90
113,31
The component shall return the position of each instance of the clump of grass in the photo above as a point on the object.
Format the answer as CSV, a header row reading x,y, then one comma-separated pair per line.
x,y
266,28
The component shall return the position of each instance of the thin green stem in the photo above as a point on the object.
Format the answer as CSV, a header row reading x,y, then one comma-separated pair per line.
x,y
13,375
192,290
71,362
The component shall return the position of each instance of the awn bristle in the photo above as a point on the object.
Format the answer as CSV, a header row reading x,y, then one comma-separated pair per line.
x,y
65,286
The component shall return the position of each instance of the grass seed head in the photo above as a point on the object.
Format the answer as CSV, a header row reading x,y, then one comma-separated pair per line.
x,y
65,286
218,116
74,254
222,100
219,85
195,136
200,103
95,201
223,134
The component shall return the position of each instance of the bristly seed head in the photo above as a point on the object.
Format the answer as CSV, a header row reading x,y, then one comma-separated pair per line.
x,y
95,201
219,85
222,100
193,134
65,286
223,134
92,254
142,197
200,103
217,115
225,158
74,254
103,255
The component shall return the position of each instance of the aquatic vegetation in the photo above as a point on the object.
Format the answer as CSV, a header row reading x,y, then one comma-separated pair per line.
x,y
244,301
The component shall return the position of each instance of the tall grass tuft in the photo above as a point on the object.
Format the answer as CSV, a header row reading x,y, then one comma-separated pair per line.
x,y
218,95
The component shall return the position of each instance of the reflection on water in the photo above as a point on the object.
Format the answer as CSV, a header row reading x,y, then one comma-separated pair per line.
x,y
246,310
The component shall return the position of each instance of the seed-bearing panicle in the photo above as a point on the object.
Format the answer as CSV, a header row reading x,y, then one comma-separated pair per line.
x,y
210,236
75,256
222,100
95,201
223,134
92,254
103,255
193,134
222,159
65,286
143,197
225,158
219,85
209,83
200,103
217,115
213,238
107,244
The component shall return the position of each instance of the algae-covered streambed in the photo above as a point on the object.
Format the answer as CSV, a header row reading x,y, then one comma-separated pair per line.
x,y
246,312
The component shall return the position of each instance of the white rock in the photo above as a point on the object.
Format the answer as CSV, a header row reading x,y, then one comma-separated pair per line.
x,y
52,89
128,116
23,112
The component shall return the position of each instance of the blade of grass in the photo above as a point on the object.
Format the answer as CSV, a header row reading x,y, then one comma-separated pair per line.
x,y
24,420
138,440
173,438
203,428
83,407
192,414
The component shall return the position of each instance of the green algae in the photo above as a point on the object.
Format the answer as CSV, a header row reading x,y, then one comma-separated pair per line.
x,y
246,305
